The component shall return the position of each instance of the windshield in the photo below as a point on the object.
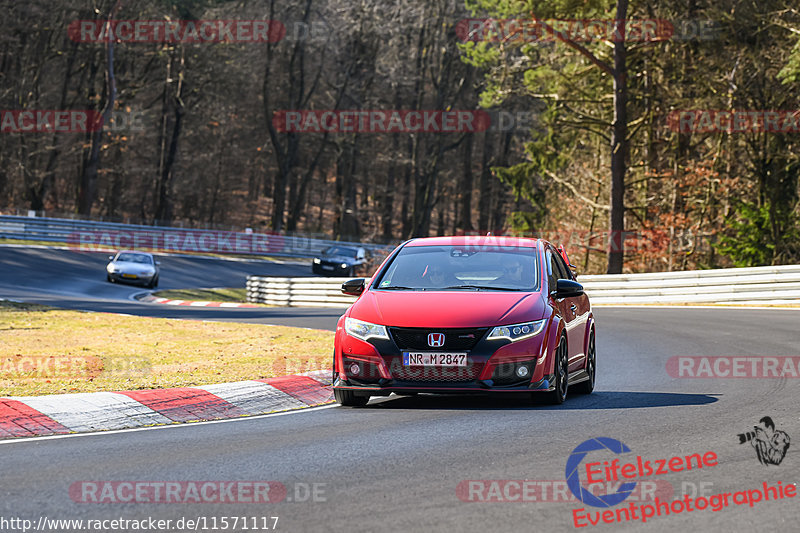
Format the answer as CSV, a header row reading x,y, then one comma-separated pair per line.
x,y
135,258
462,268
341,251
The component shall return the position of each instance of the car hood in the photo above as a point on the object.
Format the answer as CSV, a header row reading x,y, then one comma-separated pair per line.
x,y
447,309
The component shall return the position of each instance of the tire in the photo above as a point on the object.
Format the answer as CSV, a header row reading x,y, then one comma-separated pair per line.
x,y
586,387
561,371
154,284
348,398
109,278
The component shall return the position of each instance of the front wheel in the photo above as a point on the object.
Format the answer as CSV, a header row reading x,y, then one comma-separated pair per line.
x,y
348,398
561,370
586,387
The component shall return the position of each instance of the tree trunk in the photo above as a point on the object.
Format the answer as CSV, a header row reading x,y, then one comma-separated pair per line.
x,y
619,149
464,216
484,200
38,195
347,227
387,197
405,219
88,183
164,207
499,214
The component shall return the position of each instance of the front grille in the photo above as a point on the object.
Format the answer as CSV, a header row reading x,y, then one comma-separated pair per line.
x,y
454,339
455,374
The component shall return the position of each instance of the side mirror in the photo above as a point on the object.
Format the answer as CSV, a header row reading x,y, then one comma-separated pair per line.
x,y
158,263
353,287
566,288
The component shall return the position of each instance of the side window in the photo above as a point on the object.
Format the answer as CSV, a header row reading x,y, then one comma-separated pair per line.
x,y
552,270
557,270
564,271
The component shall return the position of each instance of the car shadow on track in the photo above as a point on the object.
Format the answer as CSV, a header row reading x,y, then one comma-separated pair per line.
x,y
512,401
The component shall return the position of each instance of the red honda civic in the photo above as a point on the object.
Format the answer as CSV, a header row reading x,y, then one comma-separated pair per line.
x,y
466,315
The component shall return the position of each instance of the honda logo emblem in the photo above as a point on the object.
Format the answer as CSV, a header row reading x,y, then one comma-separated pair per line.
x,y
435,340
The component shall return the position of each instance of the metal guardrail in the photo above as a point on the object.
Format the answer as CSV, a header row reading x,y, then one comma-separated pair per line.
x,y
90,235
752,286
773,284
298,292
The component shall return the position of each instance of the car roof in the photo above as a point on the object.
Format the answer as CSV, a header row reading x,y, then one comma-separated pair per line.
x,y
344,247
476,240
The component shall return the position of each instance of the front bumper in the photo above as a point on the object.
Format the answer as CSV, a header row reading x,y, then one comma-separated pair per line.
x,y
120,276
480,387
329,269
376,368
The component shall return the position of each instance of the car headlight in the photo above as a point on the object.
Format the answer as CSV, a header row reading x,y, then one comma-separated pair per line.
x,y
317,261
364,330
517,332
344,265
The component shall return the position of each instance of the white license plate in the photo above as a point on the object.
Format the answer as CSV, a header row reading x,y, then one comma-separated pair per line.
x,y
434,359
325,267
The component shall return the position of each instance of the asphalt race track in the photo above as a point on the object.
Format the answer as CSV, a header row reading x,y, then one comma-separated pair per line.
x,y
77,280
396,464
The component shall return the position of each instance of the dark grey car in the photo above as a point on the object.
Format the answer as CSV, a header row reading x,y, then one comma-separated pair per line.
x,y
340,260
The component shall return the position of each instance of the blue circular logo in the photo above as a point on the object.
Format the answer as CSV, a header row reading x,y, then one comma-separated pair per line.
x,y
574,482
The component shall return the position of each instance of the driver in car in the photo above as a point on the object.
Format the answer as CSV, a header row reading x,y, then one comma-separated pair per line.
x,y
513,273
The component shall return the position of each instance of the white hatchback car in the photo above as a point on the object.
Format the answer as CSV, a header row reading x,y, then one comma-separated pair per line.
x,y
136,267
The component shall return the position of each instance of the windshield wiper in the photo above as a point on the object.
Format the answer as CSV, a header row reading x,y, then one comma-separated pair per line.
x,y
482,288
399,288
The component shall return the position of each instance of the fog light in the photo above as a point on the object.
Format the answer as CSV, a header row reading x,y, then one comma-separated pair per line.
x,y
355,369
522,371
